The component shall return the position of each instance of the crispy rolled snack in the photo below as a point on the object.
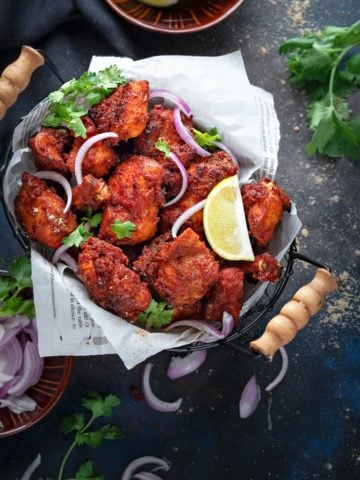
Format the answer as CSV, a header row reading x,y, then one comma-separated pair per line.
x,y
295,314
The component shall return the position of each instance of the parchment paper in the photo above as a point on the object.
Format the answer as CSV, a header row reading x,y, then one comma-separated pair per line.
x,y
219,93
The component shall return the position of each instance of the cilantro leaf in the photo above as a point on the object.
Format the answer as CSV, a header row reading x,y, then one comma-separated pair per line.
x,y
74,99
77,237
100,407
157,315
20,270
207,139
163,147
96,438
7,284
86,472
72,422
123,229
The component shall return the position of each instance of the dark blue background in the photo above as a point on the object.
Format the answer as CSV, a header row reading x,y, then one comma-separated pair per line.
x,y
315,411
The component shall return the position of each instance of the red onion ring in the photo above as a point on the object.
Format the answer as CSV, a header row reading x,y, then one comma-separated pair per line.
x,y
56,177
146,476
185,179
58,253
20,404
198,325
250,398
139,462
31,468
227,324
172,97
282,373
12,357
84,149
70,261
181,366
31,371
10,334
2,331
185,216
153,401
227,150
186,136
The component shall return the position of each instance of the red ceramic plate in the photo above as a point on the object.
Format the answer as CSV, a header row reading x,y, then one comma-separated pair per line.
x,y
46,393
186,16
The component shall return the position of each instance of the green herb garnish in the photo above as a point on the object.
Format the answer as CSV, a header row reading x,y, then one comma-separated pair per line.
x,y
207,139
74,99
123,229
82,232
163,147
99,407
11,286
318,65
157,315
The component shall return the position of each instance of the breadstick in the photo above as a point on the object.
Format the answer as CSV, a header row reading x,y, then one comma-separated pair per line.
x,y
296,313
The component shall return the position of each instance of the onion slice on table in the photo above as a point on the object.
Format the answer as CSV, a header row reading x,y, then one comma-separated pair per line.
x,y
250,398
56,177
173,98
31,468
186,136
139,462
227,150
153,401
146,476
185,216
181,366
185,179
282,373
85,147
198,325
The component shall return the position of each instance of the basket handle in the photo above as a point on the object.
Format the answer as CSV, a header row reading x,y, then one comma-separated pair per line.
x,y
16,77
295,314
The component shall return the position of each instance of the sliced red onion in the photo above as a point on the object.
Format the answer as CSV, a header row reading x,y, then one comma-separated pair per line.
x,y
12,356
186,136
2,331
228,151
181,366
151,399
70,261
4,377
185,179
58,253
146,476
56,177
173,98
18,404
185,216
15,321
31,468
85,147
198,325
31,370
10,334
282,373
139,462
250,398
227,324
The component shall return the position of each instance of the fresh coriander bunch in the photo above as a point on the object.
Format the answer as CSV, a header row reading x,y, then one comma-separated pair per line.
x,y
327,66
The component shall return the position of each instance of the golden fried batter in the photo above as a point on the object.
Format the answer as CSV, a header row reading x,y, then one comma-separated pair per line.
x,y
50,147
225,296
203,177
264,203
40,211
110,281
124,111
90,194
180,271
136,196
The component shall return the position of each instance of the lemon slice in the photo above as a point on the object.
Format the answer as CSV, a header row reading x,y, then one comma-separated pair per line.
x,y
225,223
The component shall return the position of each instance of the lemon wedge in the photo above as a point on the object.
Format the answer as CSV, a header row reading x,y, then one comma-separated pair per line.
x,y
159,3
225,223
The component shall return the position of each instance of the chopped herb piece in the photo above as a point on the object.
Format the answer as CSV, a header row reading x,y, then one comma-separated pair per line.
x,y
157,315
123,229
163,147
207,139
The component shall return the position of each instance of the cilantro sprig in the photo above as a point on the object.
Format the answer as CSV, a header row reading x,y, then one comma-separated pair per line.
x,y
99,407
163,146
206,139
82,231
11,302
320,65
157,315
74,99
123,229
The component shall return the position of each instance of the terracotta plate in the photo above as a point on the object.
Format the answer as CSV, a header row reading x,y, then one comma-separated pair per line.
x,y
186,16
46,393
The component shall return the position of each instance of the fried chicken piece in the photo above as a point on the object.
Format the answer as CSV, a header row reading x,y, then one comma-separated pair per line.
x,y
203,177
225,296
90,194
181,271
136,196
40,211
264,203
124,111
109,280
192,311
161,125
265,268
98,161
50,147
